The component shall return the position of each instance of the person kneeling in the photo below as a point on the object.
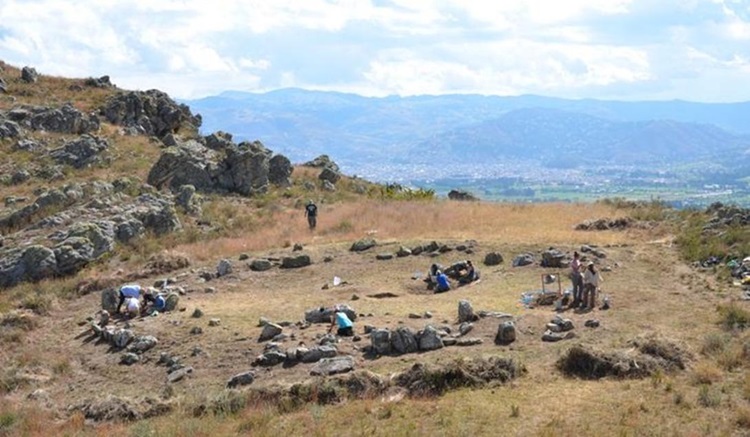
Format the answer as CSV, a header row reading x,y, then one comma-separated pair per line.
x,y
346,327
442,283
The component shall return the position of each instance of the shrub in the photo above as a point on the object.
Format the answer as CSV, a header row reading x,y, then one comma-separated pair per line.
x,y
733,316
7,420
706,374
714,343
708,397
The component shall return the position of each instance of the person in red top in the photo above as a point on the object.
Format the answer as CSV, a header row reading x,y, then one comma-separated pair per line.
x,y
576,276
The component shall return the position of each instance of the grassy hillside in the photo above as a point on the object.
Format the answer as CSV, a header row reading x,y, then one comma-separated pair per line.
x,y
56,379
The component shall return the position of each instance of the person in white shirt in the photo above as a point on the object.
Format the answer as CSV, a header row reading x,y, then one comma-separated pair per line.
x,y
132,306
591,281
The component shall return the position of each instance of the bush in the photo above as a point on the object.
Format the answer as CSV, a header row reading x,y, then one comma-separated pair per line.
x,y
708,397
714,343
733,316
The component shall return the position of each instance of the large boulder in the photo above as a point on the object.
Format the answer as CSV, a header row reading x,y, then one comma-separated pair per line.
x,y
150,112
322,161
330,175
186,164
429,339
110,298
380,341
65,119
466,312
403,341
493,259
32,263
29,74
317,353
506,333
553,258
245,169
280,170
362,245
81,152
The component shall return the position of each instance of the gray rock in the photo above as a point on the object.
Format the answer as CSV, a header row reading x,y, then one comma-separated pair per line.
x,y
553,258
197,313
98,82
129,230
260,265
461,195
317,353
187,200
523,260
270,358
380,340
9,129
297,261
466,312
129,358
403,252
150,112
110,297
143,343
404,341
465,327
270,330
29,74
27,145
241,379
368,329
172,300
20,177
280,171
196,330
328,186
324,314
122,337
330,175
179,374
333,366
297,247
214,322
493,259
469,341
362,245
384,256
506,333
218,141
429,339
65,119
81,152
327,339
224,268
32,263
322,161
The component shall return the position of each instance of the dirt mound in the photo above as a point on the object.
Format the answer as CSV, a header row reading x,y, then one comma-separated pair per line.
x,y
650,356
166,262
425,380
114,408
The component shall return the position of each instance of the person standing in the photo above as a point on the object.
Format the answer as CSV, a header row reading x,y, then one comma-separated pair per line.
x,y
576,277
311,212
591,281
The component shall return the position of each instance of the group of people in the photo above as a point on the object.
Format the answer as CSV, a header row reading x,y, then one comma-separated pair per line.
x,y
586,283
130,296
463,272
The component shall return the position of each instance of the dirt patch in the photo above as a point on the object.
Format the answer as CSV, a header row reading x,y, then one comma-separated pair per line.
x,y
650,356
114,408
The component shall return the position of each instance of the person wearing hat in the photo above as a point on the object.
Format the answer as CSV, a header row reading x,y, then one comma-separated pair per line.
x,y
153,298
311,212
346,326
591,281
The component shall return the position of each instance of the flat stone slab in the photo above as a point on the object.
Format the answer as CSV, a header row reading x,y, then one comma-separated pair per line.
x,y
333,366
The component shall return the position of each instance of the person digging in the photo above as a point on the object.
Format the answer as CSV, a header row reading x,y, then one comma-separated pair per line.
x,y
345,325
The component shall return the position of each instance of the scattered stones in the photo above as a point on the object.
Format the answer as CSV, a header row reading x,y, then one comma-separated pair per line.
x,y
594,251
333,366
241,379
270,330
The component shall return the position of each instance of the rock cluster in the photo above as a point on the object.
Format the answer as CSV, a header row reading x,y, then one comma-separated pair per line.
x,y
66,119
150,112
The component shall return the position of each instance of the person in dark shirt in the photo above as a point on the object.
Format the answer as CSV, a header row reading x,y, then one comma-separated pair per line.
x,y
311,212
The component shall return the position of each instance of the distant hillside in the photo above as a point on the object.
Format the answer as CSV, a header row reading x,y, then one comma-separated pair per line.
x,y
356,129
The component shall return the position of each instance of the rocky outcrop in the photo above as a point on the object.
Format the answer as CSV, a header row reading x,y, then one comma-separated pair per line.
x,y
65,119
244,168
29,74
98,82
9,129
32,263
554,258
362,245
150,112
329,175
323,161
461,195
82,152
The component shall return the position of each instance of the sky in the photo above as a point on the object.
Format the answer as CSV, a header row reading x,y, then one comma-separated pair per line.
x,y
696,50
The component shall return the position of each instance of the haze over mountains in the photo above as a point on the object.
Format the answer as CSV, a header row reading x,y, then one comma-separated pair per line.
x,y
411,138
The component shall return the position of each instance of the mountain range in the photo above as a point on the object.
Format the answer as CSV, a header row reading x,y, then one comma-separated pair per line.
x,y
485,130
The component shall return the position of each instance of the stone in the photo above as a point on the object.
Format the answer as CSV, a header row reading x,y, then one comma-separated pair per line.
x,y
523,260
493,259
403,252
188,200
327,339
328,186
362,245
197,313
65,119
32,263
384,256
380,340
415,316
461,195
100,82
151,112
469,341
466,312
280,171
297,247
465,327
270,330
214,322
122,337
9,129
368,329
241,379
322,161
330,175
172,300
324,314
129,358
317,353
20,177
404,341
196,330
270,358
224,268
553,258
110,298
592,323
29,74
297,261
143,343
506,333
82,152
333,366
260,265
429,339
27,145
179,374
